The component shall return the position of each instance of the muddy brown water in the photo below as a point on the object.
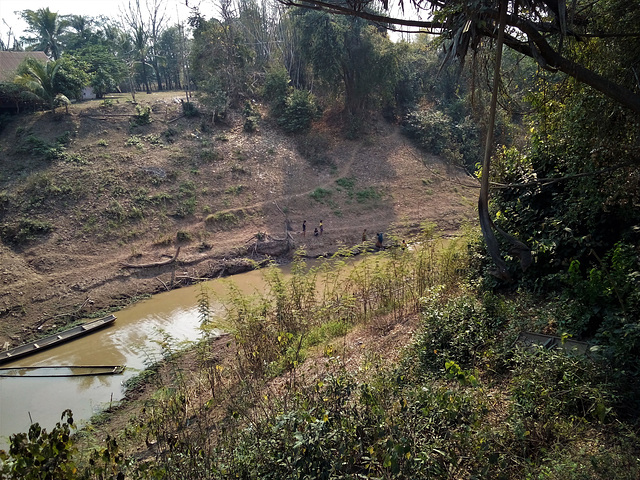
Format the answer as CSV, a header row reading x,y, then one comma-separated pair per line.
x,y
131,341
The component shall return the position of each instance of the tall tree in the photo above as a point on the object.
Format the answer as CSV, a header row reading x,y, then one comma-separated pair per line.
x,y
347,52
140,52
105,69
169,50
220,58
145,25
47,28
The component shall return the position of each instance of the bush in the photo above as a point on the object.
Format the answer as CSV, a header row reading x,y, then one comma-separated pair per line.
x,y
430,128
25,230
189,109
276,89
37,147
299,111
315,148
549,383
222,219
252,116
319,194
183,236
142,117
40,455
459,330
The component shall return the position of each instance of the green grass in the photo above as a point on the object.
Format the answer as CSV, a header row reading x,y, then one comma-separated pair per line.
x,y
224,219
24,230
235,189
135,141
320,194
368,194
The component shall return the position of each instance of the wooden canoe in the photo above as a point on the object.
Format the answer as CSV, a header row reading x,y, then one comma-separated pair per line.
x,y
55,339
61,371
531,341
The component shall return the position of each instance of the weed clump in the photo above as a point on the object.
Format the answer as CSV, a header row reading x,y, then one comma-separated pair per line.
x,y
25,230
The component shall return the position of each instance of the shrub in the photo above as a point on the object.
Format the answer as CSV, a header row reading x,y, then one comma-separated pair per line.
x,y
549,383
142,117
276,89
235,189
134,141
319,194
183,236
40,454
299,111
189,109
315,148
370,193
459,331
223,219
26,229
348,183
252,116
431,129
37,147
170,134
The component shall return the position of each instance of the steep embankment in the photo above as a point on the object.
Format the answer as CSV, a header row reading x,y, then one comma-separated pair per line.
x,y
83,193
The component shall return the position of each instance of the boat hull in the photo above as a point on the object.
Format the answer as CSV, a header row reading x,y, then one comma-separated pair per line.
x,y
61,371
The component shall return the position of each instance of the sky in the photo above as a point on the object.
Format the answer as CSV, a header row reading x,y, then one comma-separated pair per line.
x,y
91,8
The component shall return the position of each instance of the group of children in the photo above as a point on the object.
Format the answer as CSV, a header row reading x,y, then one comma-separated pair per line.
x,y
316,231
320,229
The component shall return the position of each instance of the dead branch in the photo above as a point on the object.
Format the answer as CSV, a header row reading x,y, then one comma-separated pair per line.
x,y
152,264
278,207
193,279
163,284
72,314
107,115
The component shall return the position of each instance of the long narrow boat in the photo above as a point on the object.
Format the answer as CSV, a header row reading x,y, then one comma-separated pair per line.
x,y
61,371
531,341
55,339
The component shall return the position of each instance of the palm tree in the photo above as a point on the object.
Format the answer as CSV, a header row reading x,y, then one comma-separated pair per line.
x,y
40,80
141,51
48,27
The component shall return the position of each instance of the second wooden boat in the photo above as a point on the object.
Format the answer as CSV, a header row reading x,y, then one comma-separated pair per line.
x,y
55,339
61,371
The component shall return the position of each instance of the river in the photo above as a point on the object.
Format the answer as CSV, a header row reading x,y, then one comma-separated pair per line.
x,y
131,341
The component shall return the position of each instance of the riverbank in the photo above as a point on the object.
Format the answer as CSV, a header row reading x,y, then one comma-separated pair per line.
x,y
127,195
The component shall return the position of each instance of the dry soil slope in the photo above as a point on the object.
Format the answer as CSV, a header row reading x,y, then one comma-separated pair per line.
x,y
254,177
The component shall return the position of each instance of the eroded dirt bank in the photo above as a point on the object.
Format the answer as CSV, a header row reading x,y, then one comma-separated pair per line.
x,y
133,195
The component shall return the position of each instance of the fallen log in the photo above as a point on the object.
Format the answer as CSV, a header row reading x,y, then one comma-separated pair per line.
x,y
152,264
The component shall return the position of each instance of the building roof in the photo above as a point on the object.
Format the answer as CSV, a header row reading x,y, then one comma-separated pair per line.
x,y
10,61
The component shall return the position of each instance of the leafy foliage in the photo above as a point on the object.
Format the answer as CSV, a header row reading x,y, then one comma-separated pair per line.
x,y
462,399
41,81
299,111
24,230
435,131
252,117
276,90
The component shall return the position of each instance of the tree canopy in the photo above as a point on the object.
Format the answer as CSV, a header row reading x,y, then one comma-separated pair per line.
x,y
47,28
539,29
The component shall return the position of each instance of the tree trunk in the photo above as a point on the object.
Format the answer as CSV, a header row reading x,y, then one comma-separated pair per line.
x,y
483,200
